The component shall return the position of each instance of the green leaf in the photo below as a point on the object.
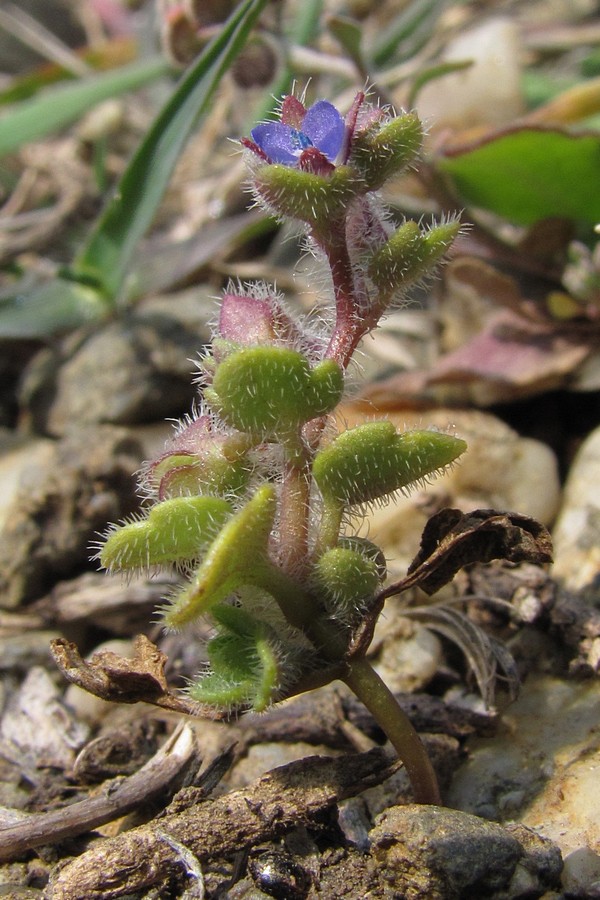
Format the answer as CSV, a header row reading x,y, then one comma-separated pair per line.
x,y
407,32
527,174
348,34
56,107
372,460
108,253
175,531
245,669
237,556
270,390
48,309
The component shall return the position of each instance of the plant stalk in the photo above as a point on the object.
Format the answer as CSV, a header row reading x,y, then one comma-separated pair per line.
x,y
364,681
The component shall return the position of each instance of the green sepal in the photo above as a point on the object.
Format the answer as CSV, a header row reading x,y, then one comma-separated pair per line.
x,y
270,391
245,670
314,199
237,556
409,254
347,578
381,153
174,531
372,460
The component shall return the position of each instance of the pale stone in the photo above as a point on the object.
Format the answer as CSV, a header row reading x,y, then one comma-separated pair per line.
x,y
408,654
17,456
487,92
577,531
543,770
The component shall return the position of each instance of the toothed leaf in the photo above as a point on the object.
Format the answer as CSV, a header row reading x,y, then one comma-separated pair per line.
x,y
175,530
410,253
245,671
269,391
310,197
372,460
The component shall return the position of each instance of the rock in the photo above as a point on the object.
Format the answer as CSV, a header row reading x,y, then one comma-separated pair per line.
x,y
488,92
60,508
429,853
262,758
581,873
576,534
408,655
22,648
17,455
542,769
135,369
38,731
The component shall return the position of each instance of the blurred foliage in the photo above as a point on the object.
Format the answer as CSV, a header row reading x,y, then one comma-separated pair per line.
x,y
542,166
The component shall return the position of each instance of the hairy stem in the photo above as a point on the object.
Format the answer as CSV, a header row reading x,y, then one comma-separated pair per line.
x,y
329,528
379,700
294,508
350,326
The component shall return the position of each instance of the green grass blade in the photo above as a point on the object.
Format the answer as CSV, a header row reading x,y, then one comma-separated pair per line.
x,y
106,257
56,107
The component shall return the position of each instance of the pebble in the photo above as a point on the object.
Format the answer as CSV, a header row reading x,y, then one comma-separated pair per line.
x,y
61,504
576,534
136,369
38,730
543,769
17,456
488,92
407,654
429,853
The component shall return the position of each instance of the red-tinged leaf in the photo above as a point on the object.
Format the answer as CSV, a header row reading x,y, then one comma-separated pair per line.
x,y
515,357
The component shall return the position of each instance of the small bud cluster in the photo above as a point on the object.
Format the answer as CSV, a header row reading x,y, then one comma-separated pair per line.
x,y
250,499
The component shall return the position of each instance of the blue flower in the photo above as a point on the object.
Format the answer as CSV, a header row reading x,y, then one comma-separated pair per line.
x,y
321,126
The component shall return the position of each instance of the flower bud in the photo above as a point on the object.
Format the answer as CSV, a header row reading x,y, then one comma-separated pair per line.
x,y
410,253
246,320
197,460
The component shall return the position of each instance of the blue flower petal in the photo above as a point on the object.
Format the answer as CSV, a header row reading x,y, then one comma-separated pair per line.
x,y
278,142
325,127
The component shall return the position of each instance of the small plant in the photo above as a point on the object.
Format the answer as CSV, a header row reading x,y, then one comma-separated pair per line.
x,y
251,499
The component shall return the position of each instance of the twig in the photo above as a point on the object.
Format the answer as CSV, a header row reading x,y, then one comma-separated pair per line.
x,y
163,774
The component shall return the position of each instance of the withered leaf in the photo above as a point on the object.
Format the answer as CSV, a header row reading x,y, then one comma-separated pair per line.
x,y
112,677
452,540
488,659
